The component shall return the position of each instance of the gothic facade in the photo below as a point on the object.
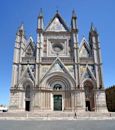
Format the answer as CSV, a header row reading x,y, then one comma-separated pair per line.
x,y
57,73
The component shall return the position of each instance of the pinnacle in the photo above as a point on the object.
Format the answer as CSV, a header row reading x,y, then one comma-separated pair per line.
x,y
73,13
41,13
92,27
31,39
21,27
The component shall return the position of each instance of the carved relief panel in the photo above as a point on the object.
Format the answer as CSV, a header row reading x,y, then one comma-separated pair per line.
x,y
56,26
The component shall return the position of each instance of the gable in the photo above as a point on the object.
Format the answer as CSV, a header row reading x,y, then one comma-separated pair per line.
x,y
57,66
30,48
84,49
27,74
84,52
29,51
57,24
86,73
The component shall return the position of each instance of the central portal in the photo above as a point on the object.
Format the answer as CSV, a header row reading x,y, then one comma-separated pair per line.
x,y
57,102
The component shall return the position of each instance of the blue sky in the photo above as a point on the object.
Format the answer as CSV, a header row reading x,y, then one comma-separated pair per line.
x,y
15,12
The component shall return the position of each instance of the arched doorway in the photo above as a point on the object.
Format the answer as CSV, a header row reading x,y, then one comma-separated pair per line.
x,y
28,98
61,92
57,98
89,96
28,95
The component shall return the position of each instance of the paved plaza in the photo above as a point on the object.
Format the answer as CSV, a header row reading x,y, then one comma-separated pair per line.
x,y
58,125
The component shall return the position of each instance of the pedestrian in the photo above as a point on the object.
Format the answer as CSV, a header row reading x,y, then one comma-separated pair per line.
x,y
75,115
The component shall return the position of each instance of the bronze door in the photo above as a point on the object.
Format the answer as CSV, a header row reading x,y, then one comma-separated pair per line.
x,y
57,102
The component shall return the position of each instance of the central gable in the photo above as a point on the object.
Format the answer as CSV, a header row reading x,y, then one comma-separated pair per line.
x,y
56,67
57,24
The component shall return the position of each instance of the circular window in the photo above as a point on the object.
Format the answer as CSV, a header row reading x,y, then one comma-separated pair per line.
x,y
57,47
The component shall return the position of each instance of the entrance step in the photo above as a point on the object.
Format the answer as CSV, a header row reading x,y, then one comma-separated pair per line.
x,y
55,114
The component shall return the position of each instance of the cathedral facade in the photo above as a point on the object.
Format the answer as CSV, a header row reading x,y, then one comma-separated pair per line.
x,y
57,73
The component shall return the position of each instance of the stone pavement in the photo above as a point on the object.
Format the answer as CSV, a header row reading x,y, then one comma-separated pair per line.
x,y
58,125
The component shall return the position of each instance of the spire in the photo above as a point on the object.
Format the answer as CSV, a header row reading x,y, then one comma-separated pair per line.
x,y
40,21
57,11
92,28
21,30
74,21
41,13
93,35
22,27
73,14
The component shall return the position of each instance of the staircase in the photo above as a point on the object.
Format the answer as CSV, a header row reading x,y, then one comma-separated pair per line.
x,y
56,115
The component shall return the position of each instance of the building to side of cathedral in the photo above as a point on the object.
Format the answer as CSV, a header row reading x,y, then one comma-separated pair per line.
x,y
57,73
110,98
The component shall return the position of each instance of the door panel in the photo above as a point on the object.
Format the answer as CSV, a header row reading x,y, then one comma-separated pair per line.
x,y
57,102
27,105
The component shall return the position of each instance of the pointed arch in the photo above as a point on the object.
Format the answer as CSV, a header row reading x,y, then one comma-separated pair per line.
x,y
88,74
30,48
27,75
59,84
58,66
28,87
88,86
59,26
84,50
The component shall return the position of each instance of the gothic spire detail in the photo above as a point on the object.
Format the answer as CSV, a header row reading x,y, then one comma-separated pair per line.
x,y
41,13
57,11
40,20
74,14
21,30
92,28
22,27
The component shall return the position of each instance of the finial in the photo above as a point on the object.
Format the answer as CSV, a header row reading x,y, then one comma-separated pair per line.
x,y
92,27
57,11
73,13
21,27
31,39
41,13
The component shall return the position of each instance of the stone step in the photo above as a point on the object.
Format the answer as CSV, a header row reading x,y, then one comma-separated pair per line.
x,y
55,114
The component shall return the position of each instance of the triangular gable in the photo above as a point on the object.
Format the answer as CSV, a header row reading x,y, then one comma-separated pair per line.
x,y
30,47
57,24
88,74
84,50
57,66
27,74
30,43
